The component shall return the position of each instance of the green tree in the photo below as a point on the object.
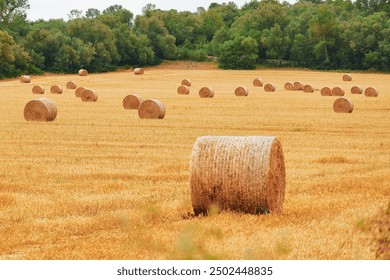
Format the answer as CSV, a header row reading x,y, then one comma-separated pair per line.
x,y
239,53
12,9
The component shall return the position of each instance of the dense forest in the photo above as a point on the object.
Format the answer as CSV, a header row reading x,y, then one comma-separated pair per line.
x,y
315,34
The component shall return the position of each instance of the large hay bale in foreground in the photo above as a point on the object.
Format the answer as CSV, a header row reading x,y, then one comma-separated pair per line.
x,y
132,101
288,86
79,90
269,87
186,82
83,72
326,91
151,109
183,89
40,109
56,89
371,92
241,91
37,89
25,79
88,96
308,89
356,90
343,105
71,85
257,82
206,92
337,91
139,71
245,174
347,77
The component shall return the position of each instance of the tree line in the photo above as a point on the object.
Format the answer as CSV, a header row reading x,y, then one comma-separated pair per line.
x,y
315,34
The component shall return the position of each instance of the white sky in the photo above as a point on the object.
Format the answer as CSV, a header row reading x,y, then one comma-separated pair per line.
x,y
45,9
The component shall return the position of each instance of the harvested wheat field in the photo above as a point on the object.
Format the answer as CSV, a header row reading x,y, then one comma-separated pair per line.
x,y
99,182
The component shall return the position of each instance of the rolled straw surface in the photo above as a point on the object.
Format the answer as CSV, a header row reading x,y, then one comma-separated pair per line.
x,y
83,72
326,91
38,89
308,88
269,87
347,77
371,92
79,90
356,90
245,174
25,79
71,85
88,96
56,89
183,89
257,82
343,105
186,82
337,91
132,101
241,91
298,86
40,109
288,86
206,92
138,71
151,109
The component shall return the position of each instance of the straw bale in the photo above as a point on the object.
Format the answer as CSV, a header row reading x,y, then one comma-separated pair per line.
x,y
206,92
25,79
337,91
308,88
83,72
138,71
257,82
241,91
151,109
347,77
186,82
238,173
298,86
89,96
371,92
79,90
71,85
269,87
56,89
40,109
356,90
37,89
288,86
132,101
343,105
183,89
326,91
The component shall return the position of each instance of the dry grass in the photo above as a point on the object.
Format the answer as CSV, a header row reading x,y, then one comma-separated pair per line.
x,y
109,185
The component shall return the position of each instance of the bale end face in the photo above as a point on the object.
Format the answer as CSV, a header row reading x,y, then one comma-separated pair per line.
x,y
25,79
289,86
183,89
371,92
343,105
151,109
347,77
40,110
186,82
326,91
132,102
241,91
71,85
257,82
269,87
88,96
206,92
56,89
38,89
83,72
139,71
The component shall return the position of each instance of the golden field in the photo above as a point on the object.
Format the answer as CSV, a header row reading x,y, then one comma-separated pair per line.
x,y
101,183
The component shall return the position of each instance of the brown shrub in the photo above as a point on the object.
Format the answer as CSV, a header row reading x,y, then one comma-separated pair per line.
x,y
41,109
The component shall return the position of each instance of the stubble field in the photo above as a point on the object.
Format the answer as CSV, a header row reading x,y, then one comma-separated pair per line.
x,y
101,183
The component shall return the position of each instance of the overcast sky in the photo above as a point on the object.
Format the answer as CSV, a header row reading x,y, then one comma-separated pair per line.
x,y
45,9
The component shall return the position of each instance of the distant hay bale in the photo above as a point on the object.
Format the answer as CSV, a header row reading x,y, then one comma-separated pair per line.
x,y
308,88
326,91
206,92
151,109
241,91
132,101
288,86
371,92
25,79
337,91
356,90
56,89
343,105
347,77
37,89
298,86
83,72
79,90
244,174
269,87
88,96
138,71
40,109
257,82
71,85
183,89
186,82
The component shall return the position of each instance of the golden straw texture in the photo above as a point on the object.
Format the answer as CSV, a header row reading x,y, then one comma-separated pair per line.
x,y
326,91
206,92
132,101
347,77
343,105
308,88
356,90
88,96
371,92
337,91
241,91
298,86
288,86
71,85
151,109
79,90
269,87
40,109
257,82
38,89
56,89
183,89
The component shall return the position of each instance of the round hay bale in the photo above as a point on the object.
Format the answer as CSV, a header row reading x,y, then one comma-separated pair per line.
x,y
71,85
83,72
132,101
371,92
308,88
244,174
356,90
298,86
38,89
88,96
186,82
269,87
343,105
288,86
25,79
40,109
138,71
151,109
326,91
79,90
206,92
347,77
183,89
241,91
337,91
257,82
56,89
